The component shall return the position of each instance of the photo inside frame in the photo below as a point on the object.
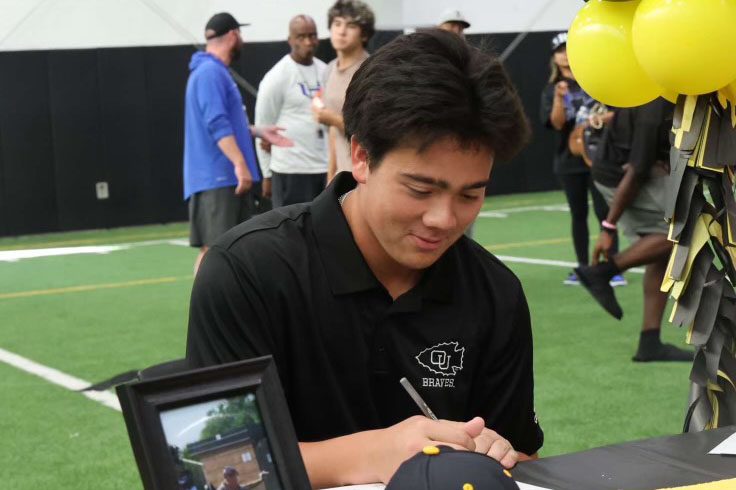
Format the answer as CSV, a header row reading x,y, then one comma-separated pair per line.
x,y
220,444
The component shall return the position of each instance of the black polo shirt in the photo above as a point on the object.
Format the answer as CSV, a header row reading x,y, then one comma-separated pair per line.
x,y
636,135
292,283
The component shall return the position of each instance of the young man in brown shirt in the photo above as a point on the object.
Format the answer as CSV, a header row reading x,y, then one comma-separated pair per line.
x,y
351,24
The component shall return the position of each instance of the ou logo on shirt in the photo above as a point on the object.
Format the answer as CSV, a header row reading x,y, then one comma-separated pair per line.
x,y
445,358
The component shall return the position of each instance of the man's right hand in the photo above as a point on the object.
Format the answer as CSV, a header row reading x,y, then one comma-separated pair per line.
x,y
561,89
400,442
602,247
245,180
374,455
266,187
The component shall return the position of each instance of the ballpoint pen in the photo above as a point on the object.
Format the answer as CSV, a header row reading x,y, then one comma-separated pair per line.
x,y
417,399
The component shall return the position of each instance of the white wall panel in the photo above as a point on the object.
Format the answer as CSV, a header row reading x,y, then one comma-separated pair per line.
x,y
69,24
65,24
491,16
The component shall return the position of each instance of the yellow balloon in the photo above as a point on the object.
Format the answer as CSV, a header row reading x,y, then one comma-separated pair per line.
x,y
687,46
669,95
602,58
729,92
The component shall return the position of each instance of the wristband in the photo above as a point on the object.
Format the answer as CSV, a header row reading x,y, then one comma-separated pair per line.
x,y
607,225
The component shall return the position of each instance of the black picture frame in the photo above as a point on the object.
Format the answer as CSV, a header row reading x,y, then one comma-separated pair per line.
x,y
144,401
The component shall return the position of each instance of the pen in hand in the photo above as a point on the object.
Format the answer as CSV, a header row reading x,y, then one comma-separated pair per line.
x,y
417,399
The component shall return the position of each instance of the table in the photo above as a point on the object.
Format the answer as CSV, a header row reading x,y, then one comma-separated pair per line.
x,y
661,462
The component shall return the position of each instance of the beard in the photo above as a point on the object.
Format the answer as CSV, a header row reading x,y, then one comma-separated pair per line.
x,y
235,51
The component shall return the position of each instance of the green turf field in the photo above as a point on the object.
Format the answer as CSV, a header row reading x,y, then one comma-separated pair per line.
x,y
93,315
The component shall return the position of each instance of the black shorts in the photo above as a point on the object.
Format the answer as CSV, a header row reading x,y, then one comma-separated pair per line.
x,y
214,211
295,188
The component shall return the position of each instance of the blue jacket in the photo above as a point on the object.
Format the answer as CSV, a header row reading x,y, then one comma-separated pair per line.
x,y
214,109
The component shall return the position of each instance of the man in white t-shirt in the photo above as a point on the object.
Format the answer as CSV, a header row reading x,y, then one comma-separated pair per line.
x,y
296,173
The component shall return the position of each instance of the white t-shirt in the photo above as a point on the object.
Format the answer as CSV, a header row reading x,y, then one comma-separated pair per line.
x,y
284,98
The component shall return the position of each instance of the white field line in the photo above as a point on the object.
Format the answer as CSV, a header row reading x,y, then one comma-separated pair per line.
x,y
556,263
15,255
504,213
110,400
58,378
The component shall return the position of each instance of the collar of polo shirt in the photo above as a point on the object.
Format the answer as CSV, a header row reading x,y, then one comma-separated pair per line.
x,y
344,263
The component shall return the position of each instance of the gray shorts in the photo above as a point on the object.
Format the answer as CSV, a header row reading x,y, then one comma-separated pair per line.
x,y
645,215
214,211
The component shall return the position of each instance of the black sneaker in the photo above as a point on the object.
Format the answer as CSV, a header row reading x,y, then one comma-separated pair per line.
x,y
664,352
595,280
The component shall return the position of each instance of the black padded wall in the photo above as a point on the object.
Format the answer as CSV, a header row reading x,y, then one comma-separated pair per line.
x,y
77,138
125,136
4,215
166,74
528,67
71,118
28,201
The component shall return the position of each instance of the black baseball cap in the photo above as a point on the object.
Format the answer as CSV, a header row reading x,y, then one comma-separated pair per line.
x,y
220,24
559,40
444,468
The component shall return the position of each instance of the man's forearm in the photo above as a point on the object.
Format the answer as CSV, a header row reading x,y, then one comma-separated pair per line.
x,y
340,461
626,192
332,119
230,148
338,122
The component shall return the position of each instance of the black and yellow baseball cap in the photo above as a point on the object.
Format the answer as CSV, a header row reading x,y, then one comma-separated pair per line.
x,y
444,468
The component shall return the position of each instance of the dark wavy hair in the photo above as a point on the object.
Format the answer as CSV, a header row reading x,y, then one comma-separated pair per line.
x,y
429,85
359,12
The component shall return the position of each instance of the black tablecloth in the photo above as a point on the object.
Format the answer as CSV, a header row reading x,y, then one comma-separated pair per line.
x,y
669,461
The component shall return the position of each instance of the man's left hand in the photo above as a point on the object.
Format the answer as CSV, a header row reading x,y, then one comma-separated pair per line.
x,y
271,134
488,442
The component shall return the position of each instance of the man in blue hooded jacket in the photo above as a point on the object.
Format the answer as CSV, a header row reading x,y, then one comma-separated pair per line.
x,y
219,162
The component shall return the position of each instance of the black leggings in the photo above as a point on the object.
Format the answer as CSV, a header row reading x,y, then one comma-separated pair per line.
x,y
576,190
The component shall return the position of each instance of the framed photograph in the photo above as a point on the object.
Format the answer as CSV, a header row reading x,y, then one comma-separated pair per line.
x,y
224,427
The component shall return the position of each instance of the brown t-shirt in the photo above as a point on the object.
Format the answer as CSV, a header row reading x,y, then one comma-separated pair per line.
x,y
335,85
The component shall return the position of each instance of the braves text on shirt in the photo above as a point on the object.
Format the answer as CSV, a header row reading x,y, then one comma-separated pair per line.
x,y
438,382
